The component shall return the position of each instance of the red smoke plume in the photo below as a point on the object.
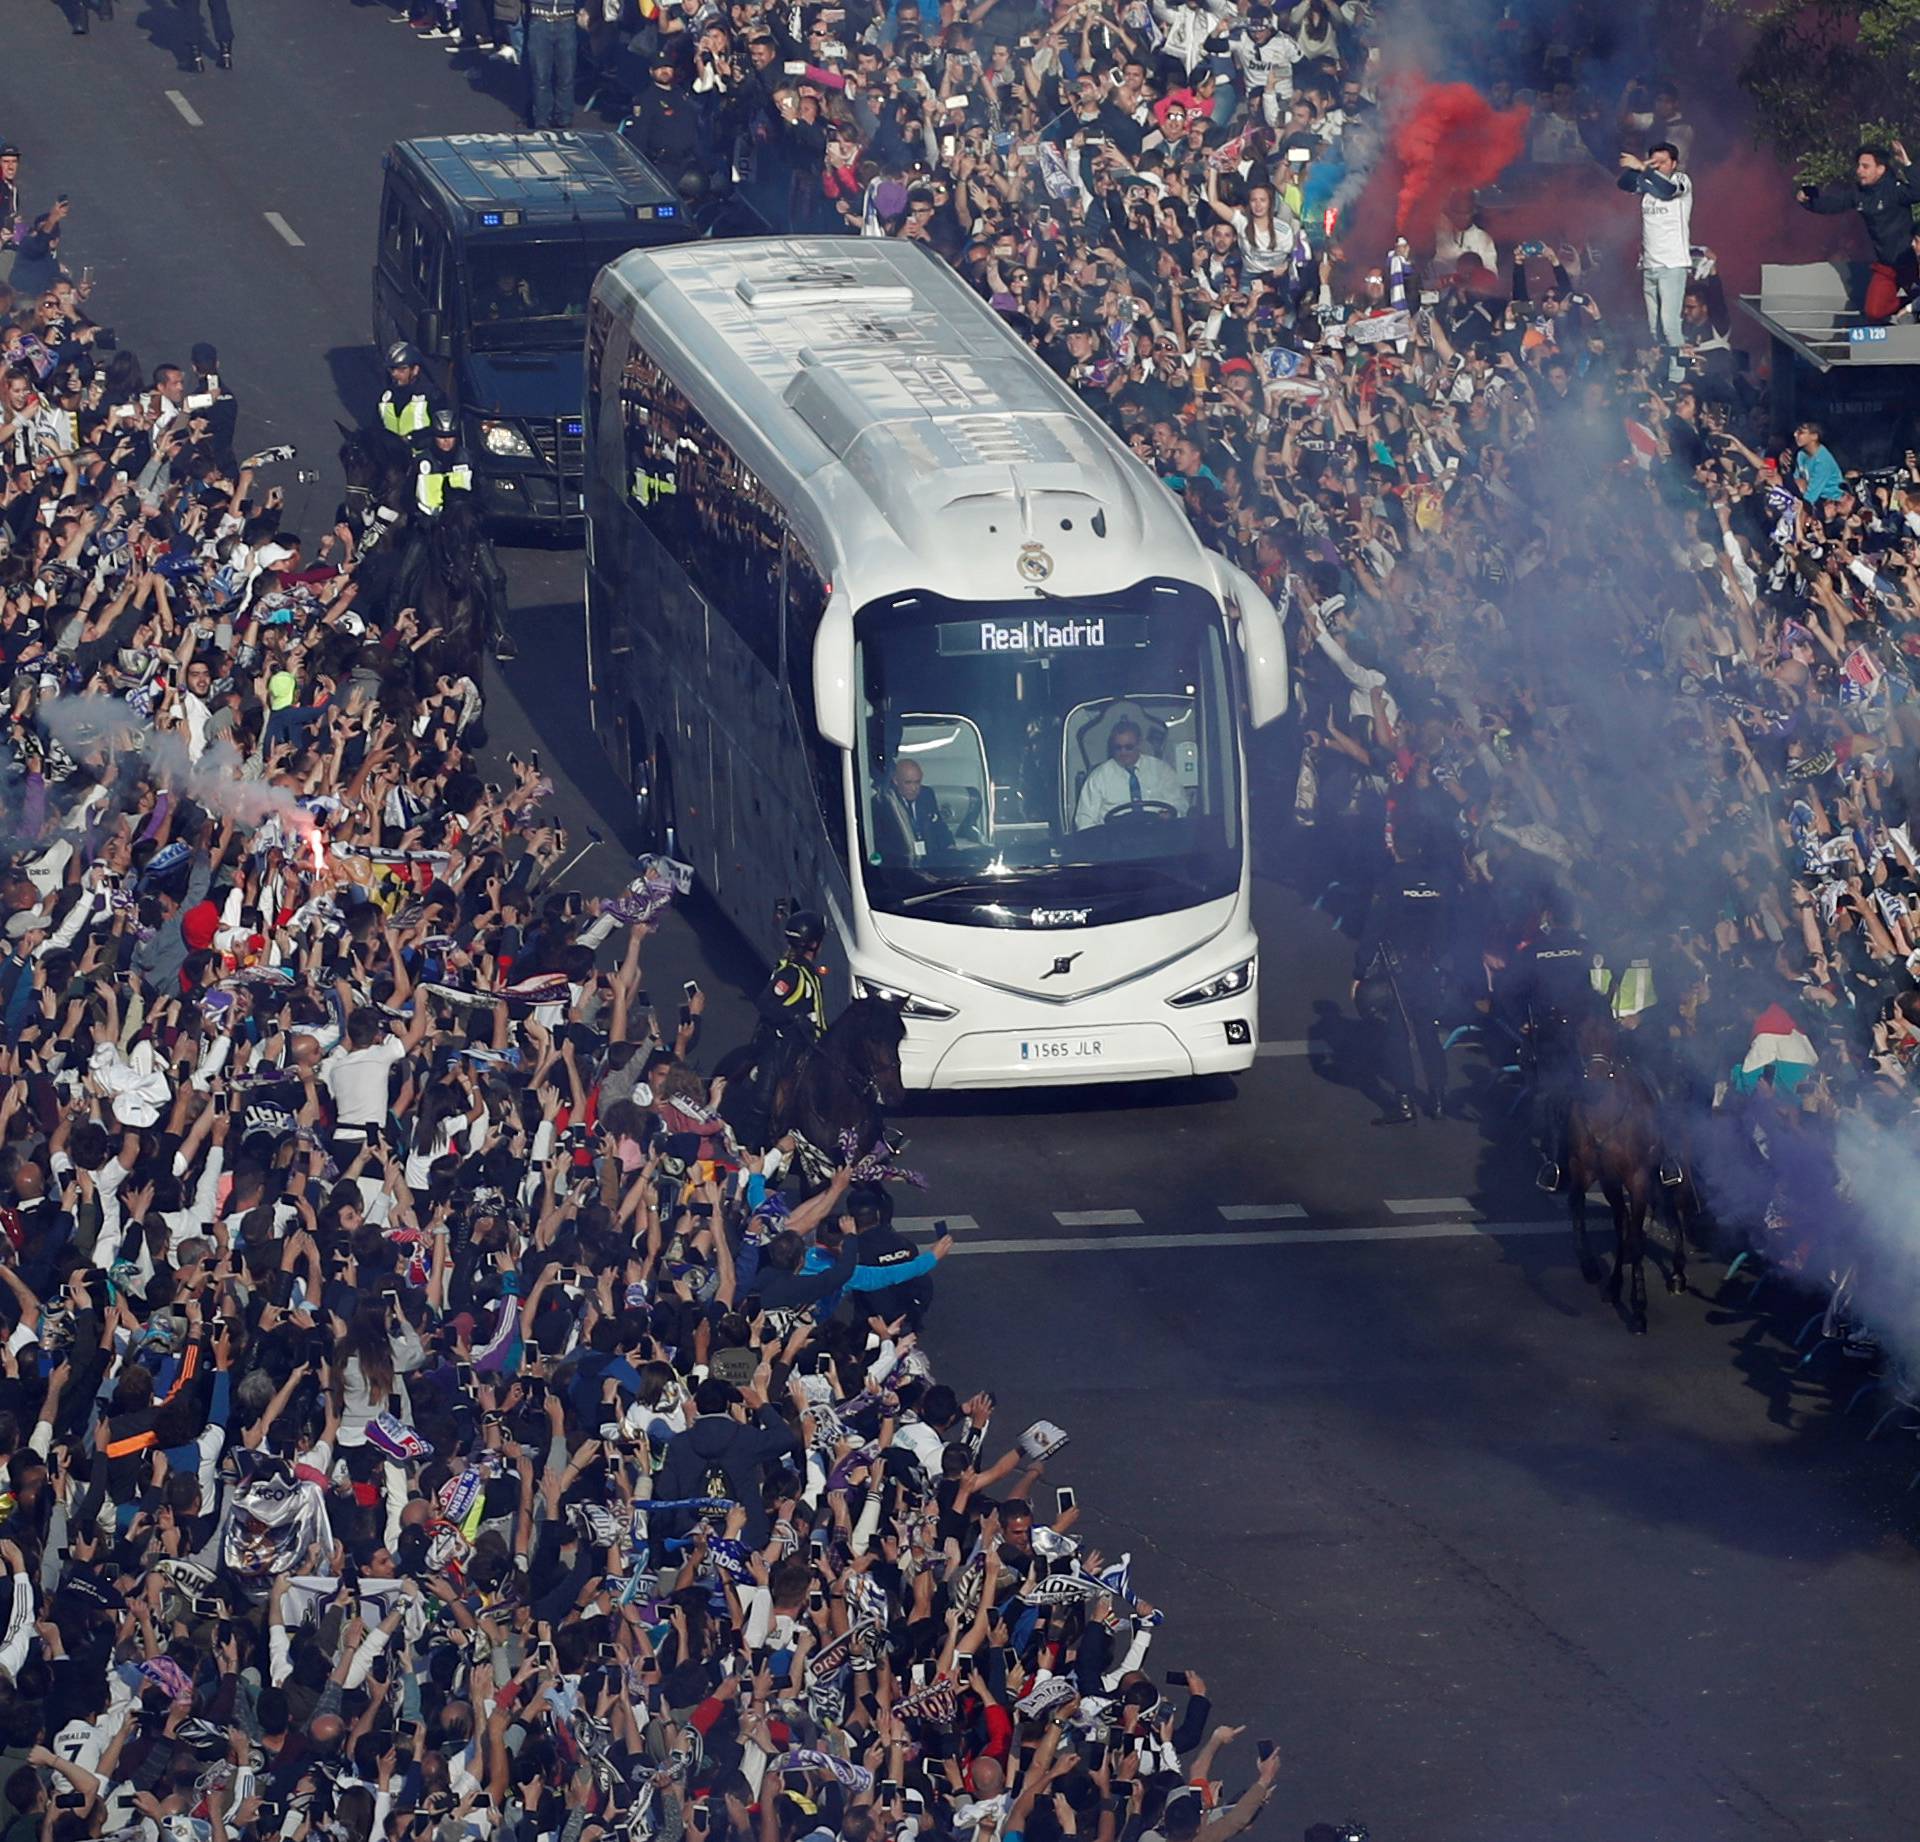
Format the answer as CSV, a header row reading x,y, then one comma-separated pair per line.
x,y
1450,139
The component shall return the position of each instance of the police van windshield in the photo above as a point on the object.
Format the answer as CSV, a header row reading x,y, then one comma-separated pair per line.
x,y
522,292
1047,754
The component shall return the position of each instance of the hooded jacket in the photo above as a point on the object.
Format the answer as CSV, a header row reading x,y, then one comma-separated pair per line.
x,y
718,1446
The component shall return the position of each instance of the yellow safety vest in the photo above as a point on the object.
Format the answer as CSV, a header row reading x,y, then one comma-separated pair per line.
x,y
806,992
435,485
407,419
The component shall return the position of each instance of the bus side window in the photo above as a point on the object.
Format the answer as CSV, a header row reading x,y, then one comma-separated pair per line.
x,y
806,601
713,517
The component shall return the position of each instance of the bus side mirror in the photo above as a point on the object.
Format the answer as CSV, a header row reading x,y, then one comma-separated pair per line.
x,y
833,702
427,335
1263,644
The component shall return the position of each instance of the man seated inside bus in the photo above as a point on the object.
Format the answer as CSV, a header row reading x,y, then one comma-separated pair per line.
x,y
1132,778
926,831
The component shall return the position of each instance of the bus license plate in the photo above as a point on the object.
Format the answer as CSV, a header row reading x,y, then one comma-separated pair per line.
x,y
1063,1049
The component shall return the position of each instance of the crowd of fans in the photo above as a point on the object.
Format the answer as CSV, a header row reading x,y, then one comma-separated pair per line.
x,y
417,1416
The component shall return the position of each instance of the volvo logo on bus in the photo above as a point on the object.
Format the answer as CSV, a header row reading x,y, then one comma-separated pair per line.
x,y
1058,917
1034,565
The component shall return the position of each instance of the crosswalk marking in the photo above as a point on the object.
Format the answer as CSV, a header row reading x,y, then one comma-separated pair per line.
x,y
1261,1212
1263,1237
1429,1205
1097,1218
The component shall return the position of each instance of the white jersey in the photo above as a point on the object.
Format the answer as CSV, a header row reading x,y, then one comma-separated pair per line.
x,y
1666,227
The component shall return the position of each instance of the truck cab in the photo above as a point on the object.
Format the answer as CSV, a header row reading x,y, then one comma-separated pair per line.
x,y
488,246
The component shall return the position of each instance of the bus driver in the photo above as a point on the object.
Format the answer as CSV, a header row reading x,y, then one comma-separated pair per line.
x,y
1129,777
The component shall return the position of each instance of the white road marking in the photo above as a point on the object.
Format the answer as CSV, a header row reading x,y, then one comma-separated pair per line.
x,y
292,237
1261,1212
1288,1046
1265,1237
188,113
1268,1237
1429,1205
924,1224
1097,1218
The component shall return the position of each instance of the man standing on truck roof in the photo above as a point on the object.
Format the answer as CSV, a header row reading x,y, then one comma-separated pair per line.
x,y
408,402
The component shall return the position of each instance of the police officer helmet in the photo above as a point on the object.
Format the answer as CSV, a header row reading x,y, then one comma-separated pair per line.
x,y
400,355
444,424
805,928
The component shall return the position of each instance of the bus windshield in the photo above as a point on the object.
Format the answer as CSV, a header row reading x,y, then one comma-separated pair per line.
x,y
527,293
1018,759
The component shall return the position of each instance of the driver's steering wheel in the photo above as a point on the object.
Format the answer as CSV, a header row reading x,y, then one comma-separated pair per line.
x,y
1142,809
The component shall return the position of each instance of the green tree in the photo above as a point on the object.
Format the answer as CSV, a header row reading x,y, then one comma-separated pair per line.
x,y
1826,75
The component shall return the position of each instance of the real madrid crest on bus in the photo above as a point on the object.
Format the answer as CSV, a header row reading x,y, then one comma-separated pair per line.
x,y
1034,565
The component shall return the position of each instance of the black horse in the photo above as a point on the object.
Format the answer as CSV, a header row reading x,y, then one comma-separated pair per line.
x,y
382,475
444,567
841,1085
450,577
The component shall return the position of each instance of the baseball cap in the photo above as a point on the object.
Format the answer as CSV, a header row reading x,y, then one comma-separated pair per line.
x,y
10,150
271,556
282,689
27,921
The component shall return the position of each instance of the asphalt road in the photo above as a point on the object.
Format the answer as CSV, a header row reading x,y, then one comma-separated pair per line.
x,y
1418,1507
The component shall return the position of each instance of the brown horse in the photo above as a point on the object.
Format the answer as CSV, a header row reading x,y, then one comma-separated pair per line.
x,y
1613,1143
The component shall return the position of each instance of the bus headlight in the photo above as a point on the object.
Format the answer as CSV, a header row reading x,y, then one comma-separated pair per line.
x,y
905,1001
503,439
1228,984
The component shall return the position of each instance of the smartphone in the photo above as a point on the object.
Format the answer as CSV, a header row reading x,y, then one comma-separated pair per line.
x,y
794,68
963,1660
946,147
1267,1750
888,1788
1176,1678
817,1600
956,103
692,989
202,400
607,1652
206,1606
1064,1499
463,1374
567,1276
1009,1658
220,1101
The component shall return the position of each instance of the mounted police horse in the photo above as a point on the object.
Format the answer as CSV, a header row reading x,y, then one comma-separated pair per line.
x,y
443,567
841,1084
381,474
1613,1143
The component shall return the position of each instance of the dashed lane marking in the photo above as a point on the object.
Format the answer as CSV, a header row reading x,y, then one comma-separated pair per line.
x,y
1430,1205
188,113
1097,1218
1262,1212
927,1224
1286,1046
1263,1237
288,234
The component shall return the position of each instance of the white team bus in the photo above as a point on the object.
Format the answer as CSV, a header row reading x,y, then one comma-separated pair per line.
x,y
842,523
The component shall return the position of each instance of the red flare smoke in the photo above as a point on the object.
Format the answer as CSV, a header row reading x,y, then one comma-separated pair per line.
x,y
1450,140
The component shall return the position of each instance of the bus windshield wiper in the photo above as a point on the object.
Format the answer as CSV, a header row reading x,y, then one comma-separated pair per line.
x,y
992,886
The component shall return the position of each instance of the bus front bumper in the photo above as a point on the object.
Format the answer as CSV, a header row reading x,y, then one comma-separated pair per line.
x,y
939,1057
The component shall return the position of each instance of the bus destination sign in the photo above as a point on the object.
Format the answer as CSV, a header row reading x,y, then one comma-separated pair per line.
x,y
1041,633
